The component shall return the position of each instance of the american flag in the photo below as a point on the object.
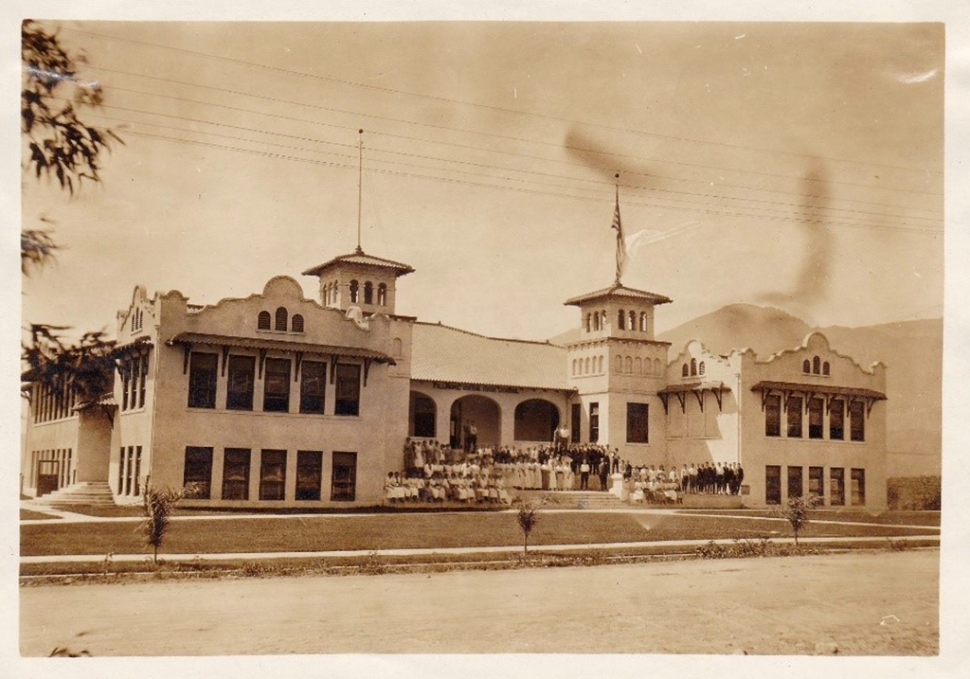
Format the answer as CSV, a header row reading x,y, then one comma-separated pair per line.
x,y
620,244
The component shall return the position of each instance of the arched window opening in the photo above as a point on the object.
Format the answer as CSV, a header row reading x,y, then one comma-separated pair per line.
x,y
381,294
638,369
398,347
264,321
600,365
628,365
816,365
587,366
693,367
589,322
617,364
297,324
826,369
806,366
643,321
574,366
281,317
368,293
621,320
700,368
683,371
633,320
602,319
354,290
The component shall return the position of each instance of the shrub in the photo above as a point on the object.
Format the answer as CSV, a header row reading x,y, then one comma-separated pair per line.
x,y
158,506
914,492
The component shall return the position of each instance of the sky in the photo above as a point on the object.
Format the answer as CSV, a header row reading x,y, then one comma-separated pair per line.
x,y
795,165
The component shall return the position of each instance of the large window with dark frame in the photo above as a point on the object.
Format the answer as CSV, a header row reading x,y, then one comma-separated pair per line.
x,y
202,380
637,423
837,486
837,420
773,415
857,421
594,422
348,389
309,474
816,481
235,474
313,382
276,385
343,483
272,475
197,477
816,426
576,415
858,480
239,388
772,484
794,412
423,417
794,482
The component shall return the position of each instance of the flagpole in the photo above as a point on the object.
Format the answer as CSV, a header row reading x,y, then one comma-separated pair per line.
x,y
360,171
620,254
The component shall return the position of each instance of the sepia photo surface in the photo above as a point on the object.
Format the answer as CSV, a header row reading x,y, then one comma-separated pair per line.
x,y
481,337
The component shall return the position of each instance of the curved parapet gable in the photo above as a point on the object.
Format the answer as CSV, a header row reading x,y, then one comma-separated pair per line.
x,y
283,287
817,342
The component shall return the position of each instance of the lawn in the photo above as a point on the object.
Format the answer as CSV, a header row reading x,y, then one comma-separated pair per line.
x,y
397,531
890,517
30,515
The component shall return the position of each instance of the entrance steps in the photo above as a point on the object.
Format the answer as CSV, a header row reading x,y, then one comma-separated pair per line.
x,y
707,501
575,499
83,493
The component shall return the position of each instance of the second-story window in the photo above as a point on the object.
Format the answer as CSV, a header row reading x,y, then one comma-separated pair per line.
x,y
263,321
202,380
296,325
348,389
281,318
276,385
239,389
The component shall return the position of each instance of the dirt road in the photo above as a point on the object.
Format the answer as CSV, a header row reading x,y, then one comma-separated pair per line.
x,y
882,603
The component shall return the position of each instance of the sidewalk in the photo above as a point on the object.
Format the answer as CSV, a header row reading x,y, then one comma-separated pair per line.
x,y
512,549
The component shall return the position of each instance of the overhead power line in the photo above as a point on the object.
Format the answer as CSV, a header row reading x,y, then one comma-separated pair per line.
x,y
432,97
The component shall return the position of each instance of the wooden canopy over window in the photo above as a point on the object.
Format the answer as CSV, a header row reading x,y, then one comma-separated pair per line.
x,y
697,388
825,391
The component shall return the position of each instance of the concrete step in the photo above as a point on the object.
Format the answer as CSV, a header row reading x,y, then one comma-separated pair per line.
x,y
83,493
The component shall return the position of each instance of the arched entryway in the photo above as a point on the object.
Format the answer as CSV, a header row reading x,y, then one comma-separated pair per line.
x,y
422,416
478,413
535,420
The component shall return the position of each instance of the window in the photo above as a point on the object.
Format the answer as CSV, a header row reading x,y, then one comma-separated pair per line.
x,y
701,368
276,385
142,381
576,414
594,422
263,321
637,423
586,366
354,291
858,486
125,369
343,485
816,481
135,364
382,294
313,381
794,412
574,366
297,324
368,293
693,367
348,390
794,482
397,347
857,422
628,365
423,417
235,474
272,475
202,380
837,484
643,321
621,320
826,369
773,415
772,485
239,390
638,366
589,322
815,426
816,365
309,474
806,366
281,317
837,420
198,472
633,320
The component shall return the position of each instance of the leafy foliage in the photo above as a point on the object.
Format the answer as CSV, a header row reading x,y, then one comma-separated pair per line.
x,y
84,367
527,518
797,509
57,142
914,492
158,505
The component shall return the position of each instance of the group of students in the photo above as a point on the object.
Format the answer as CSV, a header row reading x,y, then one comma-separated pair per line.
x,y
439,487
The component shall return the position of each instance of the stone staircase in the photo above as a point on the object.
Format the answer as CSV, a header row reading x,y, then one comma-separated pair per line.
x,y
83,493
575,499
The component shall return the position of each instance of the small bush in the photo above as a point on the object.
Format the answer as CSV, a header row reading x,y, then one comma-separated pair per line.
x,y
919,493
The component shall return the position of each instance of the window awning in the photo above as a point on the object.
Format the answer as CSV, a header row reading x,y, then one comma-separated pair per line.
x,y
695,387
278,345
869,396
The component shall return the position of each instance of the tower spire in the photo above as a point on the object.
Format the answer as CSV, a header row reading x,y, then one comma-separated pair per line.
x,y
360,172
